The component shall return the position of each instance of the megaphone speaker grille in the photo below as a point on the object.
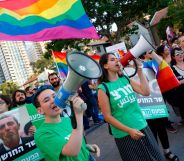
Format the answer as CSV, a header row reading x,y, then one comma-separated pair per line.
x,y
83,65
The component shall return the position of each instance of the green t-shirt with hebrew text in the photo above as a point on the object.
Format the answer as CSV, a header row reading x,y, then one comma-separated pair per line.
x,y
50,138
124,106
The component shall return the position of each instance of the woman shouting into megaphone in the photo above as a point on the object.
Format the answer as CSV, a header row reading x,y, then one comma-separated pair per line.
x,y
118,103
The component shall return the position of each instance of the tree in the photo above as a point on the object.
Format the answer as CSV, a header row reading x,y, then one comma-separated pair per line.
x,y
105,13
8,88
174,17
42,63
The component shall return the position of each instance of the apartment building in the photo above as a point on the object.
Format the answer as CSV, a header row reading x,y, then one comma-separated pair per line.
x,y
14,61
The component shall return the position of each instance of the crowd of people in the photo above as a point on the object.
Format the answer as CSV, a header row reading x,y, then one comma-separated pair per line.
x,y
113,95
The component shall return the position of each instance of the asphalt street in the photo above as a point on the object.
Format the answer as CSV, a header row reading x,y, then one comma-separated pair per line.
x,y
109,152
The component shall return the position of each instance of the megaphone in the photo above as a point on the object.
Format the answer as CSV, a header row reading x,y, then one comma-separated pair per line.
x,y
81,68
141,47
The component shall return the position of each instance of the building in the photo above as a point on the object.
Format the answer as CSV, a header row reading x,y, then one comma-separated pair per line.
x,y
34,50
14,61
2,78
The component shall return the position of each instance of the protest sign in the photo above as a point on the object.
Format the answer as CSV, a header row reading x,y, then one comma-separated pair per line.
x,y
152,106
15,144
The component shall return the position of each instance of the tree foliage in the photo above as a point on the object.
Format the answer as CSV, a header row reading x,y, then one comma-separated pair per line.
x,y
176,12
105,13
39,65
174,17
8,88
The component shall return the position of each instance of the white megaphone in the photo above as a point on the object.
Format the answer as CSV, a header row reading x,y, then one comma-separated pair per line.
x,y
141,47
81,68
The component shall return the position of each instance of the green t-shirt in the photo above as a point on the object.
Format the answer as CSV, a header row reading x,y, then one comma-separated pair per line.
x,y
50,138
124,106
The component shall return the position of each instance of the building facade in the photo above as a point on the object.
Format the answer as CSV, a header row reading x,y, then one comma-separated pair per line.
x,y
34,51
14,61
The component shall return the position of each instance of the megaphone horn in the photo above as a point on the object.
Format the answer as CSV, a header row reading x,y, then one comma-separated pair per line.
x,y
81,68
141,47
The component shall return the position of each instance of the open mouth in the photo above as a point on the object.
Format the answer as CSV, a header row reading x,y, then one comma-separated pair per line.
x,y
55,108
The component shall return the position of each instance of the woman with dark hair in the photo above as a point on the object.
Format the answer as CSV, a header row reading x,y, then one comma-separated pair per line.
x,y
177,65
5,103
121,110
164,52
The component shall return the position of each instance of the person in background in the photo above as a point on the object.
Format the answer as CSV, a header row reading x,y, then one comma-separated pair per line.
x,y
164,52
91,101
158,125
5,103
181,42
177,65
18,98
63,142
55,81
29,94
121,110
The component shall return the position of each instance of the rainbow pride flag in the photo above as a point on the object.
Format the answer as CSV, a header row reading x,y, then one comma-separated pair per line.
x,y
166,78
61,64
39,20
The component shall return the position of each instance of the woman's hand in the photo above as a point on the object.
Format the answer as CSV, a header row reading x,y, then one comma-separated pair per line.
x,y
135,134
139,63
94,149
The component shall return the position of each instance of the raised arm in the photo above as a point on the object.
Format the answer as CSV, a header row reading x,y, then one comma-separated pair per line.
x,y
141,87
72,148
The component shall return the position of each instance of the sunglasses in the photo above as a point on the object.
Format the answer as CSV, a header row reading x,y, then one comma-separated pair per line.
x,y
2,102
178,52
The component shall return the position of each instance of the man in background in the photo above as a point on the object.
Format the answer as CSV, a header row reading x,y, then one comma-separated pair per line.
x,y
55,81
18,98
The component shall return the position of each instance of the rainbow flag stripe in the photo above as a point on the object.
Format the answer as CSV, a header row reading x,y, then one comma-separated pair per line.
x,y
38,20
60,60
166,78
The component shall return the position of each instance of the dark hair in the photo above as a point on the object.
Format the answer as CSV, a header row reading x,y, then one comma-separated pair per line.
x,y
160,50
51,74
7,100
173,61
14,94
27,88
27,126
174,39
42,88
102,62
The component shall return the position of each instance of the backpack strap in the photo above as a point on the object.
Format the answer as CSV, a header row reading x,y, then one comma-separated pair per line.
x,y
108,95
127,78
106,89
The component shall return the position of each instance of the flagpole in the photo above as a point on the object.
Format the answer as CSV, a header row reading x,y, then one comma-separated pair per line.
x,y
56,63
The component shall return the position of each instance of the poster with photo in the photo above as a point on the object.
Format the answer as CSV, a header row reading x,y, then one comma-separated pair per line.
x,y
16,141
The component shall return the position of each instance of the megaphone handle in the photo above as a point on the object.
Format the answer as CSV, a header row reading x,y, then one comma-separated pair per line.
x,y
72,117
